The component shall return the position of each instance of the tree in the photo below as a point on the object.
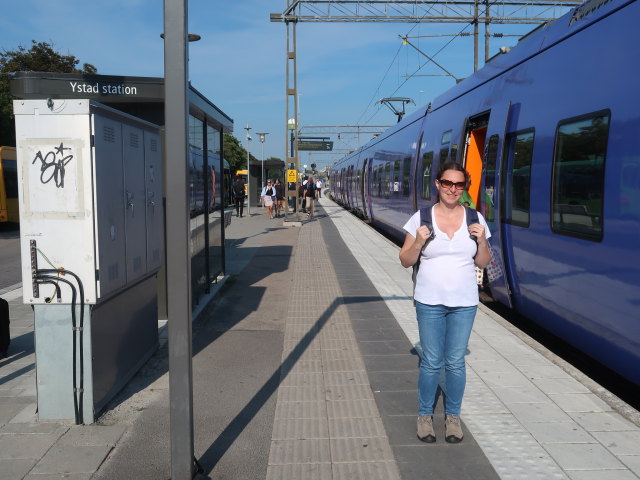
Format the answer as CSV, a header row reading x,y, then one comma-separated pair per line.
x,y
41,57
235,153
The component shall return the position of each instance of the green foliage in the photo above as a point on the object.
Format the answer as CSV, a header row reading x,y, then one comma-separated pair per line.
x,y
41,57
235,153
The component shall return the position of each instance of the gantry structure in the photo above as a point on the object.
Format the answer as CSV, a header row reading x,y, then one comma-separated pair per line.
x,y
473,12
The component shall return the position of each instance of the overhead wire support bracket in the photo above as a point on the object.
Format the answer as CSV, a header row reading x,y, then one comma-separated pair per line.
x,y
405,41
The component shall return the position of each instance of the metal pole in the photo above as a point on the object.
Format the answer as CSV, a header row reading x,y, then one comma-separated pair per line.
x,y
262,137
486,33
248,128
177,234
475,37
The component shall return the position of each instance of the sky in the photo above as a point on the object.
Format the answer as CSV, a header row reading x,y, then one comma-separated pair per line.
x,y
239,64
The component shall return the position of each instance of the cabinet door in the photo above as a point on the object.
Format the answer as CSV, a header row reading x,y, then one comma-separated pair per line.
x,y
154,206
110,204
135,202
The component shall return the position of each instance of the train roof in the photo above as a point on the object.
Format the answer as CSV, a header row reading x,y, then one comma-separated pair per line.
x,y
538,40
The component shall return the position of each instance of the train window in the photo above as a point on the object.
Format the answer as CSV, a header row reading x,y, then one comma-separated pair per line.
x,y
454,152
396,177
374,181
387,179
10,169
427,163
444,153
446,137
519,157
578,176
489,176
406,168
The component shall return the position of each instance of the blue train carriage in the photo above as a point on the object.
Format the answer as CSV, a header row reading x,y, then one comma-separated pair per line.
x,y
548,132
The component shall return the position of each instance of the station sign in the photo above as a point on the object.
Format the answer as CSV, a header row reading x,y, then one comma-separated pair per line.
x,y
315,145
291,176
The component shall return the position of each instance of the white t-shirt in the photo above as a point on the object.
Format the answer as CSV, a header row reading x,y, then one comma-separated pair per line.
x,y
447,273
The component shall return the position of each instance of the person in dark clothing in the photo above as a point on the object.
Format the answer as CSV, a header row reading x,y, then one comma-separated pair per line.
x,y
310,195
238,195
279,188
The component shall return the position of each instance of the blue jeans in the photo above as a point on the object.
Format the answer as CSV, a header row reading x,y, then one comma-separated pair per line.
x,y
444,335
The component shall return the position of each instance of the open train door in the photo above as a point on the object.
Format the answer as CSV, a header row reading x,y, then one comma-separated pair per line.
x,y
491,197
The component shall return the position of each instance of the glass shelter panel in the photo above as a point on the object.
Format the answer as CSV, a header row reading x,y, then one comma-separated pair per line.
x,y
219,183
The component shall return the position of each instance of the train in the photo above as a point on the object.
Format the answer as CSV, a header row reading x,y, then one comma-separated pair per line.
x,y
549,132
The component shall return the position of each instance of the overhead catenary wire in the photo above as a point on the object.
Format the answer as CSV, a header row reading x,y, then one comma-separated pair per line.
x,y
375,94
457,35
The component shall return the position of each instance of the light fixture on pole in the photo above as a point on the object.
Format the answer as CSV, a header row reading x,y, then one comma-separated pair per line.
x,y
262,138
248,129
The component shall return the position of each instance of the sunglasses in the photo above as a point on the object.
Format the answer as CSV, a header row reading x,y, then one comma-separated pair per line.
x,y
450,184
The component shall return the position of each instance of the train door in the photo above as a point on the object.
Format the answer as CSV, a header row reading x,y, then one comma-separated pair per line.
x,y
490,199
417,173
515,193
474,143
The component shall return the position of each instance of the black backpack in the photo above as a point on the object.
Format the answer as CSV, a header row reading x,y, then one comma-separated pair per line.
x,y
425,219
311,189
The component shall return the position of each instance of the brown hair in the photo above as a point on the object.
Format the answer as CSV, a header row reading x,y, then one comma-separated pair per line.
x,y
454,166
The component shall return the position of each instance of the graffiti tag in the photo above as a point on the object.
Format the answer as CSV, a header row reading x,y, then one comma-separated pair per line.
x,y
52,164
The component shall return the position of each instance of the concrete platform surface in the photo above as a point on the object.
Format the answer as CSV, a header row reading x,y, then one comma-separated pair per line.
x,y
305,367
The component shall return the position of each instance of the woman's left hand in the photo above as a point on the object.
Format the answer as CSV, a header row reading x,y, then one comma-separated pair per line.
x,y
477,230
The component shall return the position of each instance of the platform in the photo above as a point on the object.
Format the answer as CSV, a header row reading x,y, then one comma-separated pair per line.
x,y
305,368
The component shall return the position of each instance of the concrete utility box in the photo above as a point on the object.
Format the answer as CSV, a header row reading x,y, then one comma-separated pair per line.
x,y
90,191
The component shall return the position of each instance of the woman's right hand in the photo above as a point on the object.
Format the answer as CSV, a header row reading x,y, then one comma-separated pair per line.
x,y
422,235
412,247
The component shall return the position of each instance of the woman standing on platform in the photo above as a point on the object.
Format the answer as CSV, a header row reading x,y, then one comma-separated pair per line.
x,y
446,296
267,195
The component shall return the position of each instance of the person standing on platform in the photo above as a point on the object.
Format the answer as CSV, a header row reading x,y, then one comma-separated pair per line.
x,y
319,188
238,195
301,190
279,196
446,296
268,194
310,195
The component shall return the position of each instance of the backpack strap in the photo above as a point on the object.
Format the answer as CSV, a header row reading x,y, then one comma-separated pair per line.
x,y
472,217
425,219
